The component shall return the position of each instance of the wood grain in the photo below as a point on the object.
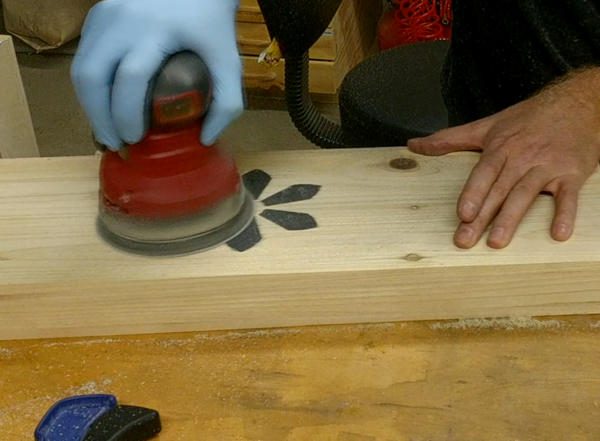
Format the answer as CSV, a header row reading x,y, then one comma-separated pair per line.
x,y
476,380
253,38
262,76
382,251
17,138
349,39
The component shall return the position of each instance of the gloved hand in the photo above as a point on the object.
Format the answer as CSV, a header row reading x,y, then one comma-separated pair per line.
x,y
125,42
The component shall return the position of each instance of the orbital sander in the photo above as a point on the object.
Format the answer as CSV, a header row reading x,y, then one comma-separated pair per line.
x,y
169,194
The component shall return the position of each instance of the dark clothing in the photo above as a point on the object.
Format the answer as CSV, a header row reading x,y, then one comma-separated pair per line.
x,y
503,51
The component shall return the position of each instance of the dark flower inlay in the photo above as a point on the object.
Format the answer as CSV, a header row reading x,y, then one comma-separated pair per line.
x,y
256,181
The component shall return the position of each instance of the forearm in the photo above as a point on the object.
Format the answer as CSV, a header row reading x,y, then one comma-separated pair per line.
x,y
580,90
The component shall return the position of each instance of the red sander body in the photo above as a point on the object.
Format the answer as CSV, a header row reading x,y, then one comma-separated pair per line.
x,y
170,194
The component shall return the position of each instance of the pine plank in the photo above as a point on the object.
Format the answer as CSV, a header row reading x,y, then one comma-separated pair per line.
x,y
382,252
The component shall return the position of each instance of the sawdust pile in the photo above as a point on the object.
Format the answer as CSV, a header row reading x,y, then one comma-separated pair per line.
x,y
505,323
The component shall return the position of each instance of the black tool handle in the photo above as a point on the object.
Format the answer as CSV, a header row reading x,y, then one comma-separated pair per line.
x,y
181,92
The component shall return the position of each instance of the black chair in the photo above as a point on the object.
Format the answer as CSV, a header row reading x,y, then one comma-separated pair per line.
x,y
385,100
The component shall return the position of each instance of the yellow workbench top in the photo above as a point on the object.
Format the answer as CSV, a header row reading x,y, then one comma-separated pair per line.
x,y
519,379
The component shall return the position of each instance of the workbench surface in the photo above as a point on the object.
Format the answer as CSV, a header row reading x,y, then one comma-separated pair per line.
x,y
519,379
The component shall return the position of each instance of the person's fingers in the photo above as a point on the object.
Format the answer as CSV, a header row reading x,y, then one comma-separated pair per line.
x,y
461,138
130,94
565,213
516,206
227,98
469,232
92,73
227,105
480,182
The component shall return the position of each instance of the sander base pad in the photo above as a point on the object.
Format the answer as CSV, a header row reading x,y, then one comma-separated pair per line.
x,y
187,244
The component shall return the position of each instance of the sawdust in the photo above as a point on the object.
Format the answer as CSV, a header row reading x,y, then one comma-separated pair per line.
x,y
6,353
175,342
257,334
380,325
91,387
81,342
506,323
35,408
238,335
219,336
228,336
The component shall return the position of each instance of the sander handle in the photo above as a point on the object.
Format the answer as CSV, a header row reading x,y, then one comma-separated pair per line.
x,y
180,94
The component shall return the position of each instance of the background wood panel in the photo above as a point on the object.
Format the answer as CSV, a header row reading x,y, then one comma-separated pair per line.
x,y
17,138
383,251
253,38
262,76
349,39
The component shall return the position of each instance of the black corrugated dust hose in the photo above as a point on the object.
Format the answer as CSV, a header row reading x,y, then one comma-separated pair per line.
x,y
306,117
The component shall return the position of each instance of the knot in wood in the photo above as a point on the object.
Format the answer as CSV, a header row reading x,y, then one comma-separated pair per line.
x,y
403,163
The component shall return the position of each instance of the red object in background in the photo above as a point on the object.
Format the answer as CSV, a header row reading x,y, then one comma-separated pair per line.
x,y
168,174
410,21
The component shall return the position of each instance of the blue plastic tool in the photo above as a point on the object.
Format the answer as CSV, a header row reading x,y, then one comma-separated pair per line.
x,y
71,418
97,418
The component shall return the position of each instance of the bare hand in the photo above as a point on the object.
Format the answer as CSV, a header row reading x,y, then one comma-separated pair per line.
x,y
549,143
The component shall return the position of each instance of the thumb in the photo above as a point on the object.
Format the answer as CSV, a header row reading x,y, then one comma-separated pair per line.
x,y
455,139
228,101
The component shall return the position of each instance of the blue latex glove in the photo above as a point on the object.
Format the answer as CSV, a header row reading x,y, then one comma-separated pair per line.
x,y
125,42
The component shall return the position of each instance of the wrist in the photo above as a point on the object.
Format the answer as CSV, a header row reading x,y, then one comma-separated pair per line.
x,y
576,95
582,86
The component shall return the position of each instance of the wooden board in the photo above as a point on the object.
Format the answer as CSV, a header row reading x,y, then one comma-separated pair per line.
x,y
262,76
253,38
17,138
249,11
382,251
355,29
525,379
349,39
